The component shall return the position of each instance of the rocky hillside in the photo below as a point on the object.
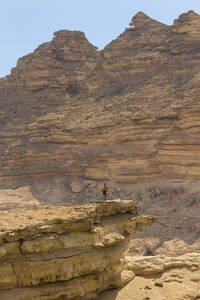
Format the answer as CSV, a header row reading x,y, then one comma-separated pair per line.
x,y
72,117
66,252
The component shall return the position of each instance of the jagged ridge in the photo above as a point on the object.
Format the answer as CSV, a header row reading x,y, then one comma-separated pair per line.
x,y
128,114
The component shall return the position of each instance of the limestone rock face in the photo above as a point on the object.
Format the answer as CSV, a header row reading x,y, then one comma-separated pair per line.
x,y
177,247
161,277
66,252
127,115
142,265
77,187
153,246
54,66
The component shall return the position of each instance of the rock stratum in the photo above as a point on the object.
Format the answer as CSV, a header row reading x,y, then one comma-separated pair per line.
x,y
72,117
159,277
66,252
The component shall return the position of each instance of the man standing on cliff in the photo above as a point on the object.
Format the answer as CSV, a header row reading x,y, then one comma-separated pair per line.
x,y
104,191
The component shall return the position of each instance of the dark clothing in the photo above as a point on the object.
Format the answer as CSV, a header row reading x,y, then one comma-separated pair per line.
x,y
104,191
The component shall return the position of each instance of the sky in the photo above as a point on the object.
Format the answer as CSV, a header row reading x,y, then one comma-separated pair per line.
x,y
25,24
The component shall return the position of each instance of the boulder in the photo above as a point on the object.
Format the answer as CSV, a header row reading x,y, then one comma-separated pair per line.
x,y
77,187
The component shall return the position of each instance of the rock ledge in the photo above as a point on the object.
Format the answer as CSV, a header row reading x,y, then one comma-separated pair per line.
x,y
66,252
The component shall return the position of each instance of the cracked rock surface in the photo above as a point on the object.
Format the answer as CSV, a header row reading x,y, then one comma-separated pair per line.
x,y
161,277
73,117
66,252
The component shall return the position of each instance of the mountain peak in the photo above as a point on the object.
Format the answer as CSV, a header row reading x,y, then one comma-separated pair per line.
x,y
187,17
187,22
69,34
141,19
141,15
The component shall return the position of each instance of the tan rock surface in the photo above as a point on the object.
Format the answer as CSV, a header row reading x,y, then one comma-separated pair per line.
x,y
177,247
153,246
161,278
66,252
77,187
128,114
143,246
142,265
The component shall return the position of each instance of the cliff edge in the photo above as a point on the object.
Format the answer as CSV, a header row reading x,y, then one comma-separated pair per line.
x,y
66,252
73,117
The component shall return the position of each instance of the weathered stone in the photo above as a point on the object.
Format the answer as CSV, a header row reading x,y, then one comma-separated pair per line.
x,y
128,114
77,187
66,252
142,265
10,250
97,173
8,278
160,277
177,247
125,277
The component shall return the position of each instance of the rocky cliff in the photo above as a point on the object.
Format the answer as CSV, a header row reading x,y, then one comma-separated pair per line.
x,y
66,252
72,117
159,277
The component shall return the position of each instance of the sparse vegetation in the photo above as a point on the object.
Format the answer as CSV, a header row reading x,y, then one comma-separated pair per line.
x,y
59,221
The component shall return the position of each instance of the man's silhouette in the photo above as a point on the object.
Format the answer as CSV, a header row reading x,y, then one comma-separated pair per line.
x,y
104,191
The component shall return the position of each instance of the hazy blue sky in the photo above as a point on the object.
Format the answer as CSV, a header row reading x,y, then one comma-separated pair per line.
x,y
25,24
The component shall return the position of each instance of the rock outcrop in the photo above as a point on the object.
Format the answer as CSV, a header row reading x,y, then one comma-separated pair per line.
x,y
128,114
150,265
154,246
159,277
177,247
66,252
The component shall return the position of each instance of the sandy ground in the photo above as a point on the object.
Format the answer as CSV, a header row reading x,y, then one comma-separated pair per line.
x,y
177,284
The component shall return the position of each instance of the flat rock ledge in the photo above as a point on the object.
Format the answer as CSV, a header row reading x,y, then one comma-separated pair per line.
x,y
66,252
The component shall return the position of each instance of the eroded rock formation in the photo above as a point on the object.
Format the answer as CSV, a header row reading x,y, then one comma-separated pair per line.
x,y
66,252
128,114
159,277
154,246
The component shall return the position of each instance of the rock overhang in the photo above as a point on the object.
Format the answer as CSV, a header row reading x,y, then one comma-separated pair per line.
x,y
72,245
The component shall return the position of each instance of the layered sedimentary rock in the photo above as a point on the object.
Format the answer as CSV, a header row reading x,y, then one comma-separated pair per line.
x,y
159,277
142,265
128,114
66,252
153,246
